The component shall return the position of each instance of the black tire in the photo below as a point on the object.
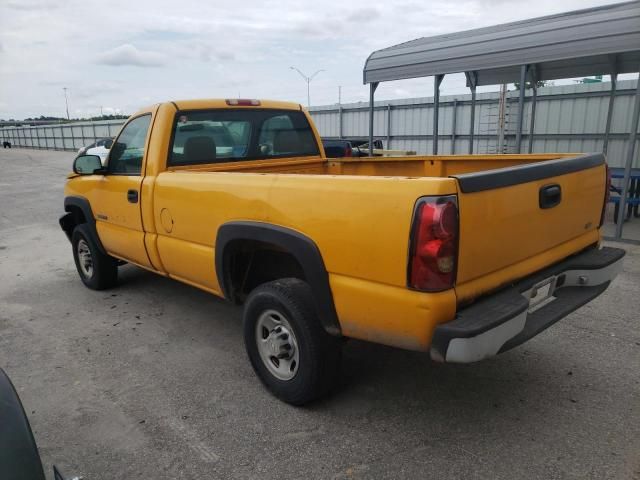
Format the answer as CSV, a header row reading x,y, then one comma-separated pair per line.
x,y
104,271
318,352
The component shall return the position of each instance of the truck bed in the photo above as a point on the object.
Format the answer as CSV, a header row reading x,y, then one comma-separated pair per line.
x,y
344,204
410,166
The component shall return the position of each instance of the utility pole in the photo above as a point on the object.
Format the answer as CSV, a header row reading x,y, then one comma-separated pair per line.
x,y
66,102
308,80
339,94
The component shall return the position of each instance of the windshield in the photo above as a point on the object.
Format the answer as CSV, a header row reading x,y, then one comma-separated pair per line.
x,y
211,136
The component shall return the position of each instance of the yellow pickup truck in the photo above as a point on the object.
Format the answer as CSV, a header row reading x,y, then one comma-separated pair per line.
x,y
461,256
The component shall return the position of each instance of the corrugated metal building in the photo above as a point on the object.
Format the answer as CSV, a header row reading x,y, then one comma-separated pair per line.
x,y
65,136
569,118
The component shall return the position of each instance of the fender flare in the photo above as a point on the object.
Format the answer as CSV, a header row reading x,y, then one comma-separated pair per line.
x,y
19,457
84,205
303,249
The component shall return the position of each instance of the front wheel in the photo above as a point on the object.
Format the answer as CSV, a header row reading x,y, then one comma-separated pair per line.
x,y
289,350
97,270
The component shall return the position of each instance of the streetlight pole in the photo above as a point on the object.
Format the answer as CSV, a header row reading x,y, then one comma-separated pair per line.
x,y
66,101
308,80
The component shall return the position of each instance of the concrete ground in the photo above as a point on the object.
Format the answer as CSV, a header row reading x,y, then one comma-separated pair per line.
x,y
150,380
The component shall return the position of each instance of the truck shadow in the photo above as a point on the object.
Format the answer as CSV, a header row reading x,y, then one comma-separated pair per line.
x,y
516,391
375,379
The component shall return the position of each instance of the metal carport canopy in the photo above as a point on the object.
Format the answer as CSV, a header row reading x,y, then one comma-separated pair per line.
x,y
571,44
600,40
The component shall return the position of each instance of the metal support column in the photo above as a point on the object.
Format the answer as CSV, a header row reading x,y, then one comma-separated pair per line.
x,y
388,126
627,168
523,81
340,122
472,81
607,128
534,80
436,107
453,126
372,91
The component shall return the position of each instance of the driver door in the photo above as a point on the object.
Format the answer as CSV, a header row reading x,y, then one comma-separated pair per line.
x,y
118,215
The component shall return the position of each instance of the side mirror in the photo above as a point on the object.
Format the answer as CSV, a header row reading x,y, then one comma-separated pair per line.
x,y
87,164
108,144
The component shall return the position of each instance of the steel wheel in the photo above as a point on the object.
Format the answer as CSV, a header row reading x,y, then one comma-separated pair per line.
x,y
277,345
84,258
96,269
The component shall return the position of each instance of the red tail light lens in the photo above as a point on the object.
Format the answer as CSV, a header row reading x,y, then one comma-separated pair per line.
x,y
433,250
607,193
243,102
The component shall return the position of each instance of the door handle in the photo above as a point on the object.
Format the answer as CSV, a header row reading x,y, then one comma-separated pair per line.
x,y
550,196
132,196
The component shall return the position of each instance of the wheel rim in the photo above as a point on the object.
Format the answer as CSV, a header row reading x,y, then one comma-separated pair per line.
x,y
84,258
277,345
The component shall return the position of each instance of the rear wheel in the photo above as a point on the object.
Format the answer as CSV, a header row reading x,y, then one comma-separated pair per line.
x,y
288,348
96,269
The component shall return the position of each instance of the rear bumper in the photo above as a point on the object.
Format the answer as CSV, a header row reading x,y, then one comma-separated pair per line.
x,y
504,320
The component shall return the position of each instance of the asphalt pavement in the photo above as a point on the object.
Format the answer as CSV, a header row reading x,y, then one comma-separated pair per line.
x,y
150,380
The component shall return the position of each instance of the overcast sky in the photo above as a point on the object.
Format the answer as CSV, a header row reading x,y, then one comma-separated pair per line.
x,y
121,55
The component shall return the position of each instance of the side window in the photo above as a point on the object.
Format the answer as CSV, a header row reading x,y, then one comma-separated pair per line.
x,y
127,151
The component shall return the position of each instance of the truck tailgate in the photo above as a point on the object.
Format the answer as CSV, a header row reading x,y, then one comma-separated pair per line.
x,y
511,215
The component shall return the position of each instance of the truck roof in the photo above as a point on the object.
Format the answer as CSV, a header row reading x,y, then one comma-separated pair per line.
x,y
207,103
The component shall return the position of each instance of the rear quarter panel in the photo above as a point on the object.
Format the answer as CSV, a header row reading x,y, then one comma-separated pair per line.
x,y
361,226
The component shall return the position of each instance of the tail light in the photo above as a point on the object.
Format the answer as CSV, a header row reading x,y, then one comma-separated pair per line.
x,y
433,249
607,193
243,102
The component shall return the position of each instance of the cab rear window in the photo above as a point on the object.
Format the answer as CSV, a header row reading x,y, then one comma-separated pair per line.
x,y
229,135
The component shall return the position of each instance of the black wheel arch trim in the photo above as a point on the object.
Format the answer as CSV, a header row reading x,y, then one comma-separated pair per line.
x,y
303,249
530,172
84,205
19,456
